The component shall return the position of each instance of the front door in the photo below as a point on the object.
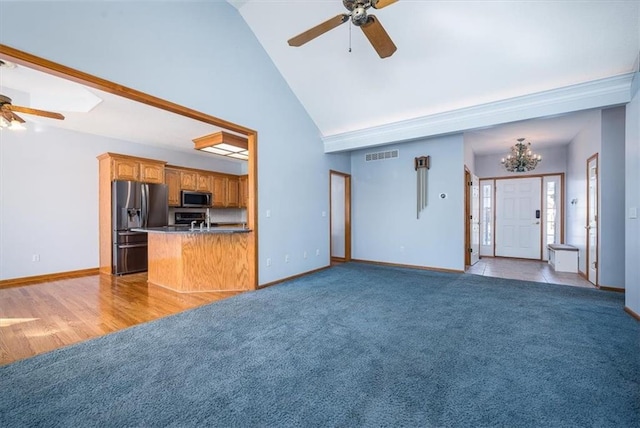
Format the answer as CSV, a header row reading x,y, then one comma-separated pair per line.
x,y
592,219
518,218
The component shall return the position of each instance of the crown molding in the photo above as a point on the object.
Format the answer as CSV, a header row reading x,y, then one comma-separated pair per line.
x,y
600,93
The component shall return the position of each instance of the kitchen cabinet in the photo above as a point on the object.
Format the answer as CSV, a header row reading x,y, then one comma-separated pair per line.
x,y
233,199
151,172
136,169
172,180
204,182
219,183
243,190
188,180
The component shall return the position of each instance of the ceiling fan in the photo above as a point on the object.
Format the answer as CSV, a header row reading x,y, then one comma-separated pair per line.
x,y
9,117
370,25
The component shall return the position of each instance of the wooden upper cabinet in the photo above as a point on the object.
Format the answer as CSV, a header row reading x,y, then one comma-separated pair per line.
x,y
188,180
125,169
219,183
135,169
243,190
204,182
233,194
172,180
152,172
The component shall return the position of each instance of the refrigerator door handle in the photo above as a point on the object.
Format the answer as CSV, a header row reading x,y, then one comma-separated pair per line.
x,y
145,204
131,245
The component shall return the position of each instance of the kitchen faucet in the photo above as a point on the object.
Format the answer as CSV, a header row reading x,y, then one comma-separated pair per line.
x,y
193,225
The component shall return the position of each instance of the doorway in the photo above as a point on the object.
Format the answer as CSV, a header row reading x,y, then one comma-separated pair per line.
x,y
472,218
592,219
340,216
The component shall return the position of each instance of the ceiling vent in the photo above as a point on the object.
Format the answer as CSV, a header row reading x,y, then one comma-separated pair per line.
x,y
389,154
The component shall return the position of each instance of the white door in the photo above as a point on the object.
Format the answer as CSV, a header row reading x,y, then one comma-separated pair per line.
x,y
592,220
518,217
475,219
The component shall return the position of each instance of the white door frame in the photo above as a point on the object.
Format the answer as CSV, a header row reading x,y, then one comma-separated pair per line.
x,y
339,216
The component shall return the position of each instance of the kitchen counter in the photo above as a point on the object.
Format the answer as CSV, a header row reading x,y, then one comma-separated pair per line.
x,y
187,230
187,260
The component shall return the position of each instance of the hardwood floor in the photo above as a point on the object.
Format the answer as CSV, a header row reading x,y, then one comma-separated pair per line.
x,y
41,317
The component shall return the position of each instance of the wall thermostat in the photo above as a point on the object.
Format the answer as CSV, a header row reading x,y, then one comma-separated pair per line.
x,y
443,196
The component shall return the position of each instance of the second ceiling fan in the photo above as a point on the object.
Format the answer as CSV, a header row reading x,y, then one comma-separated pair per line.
x,y
369,24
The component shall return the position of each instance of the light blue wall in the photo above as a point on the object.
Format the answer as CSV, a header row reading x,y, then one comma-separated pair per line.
x,y
611,245
385,227
632,199
581,148
201,55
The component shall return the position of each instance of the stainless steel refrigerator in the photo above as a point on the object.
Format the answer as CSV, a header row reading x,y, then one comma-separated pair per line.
x,y
135,205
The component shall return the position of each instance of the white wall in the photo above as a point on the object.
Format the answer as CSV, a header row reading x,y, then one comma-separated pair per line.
x,y
385,227
632,199
554,160
469,158
201,55
611,260
581,148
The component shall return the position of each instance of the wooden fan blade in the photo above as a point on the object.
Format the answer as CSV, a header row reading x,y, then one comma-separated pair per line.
x,y
378,37
37,112
379,4
318,30
8,115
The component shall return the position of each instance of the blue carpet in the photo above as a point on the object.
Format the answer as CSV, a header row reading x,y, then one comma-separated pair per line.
x,y
353,345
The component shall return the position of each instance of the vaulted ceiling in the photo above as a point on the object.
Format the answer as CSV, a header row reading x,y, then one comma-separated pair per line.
x,y
451,55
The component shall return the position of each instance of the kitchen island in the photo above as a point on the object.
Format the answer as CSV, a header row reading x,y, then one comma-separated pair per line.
x,y
200,259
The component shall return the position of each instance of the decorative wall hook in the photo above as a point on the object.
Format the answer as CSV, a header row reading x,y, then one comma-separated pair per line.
x,y
421,165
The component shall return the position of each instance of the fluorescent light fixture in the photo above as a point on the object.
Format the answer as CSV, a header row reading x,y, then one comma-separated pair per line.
x,y
224,144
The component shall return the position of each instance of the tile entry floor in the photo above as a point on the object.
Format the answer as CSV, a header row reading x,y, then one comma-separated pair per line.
x,y
526,270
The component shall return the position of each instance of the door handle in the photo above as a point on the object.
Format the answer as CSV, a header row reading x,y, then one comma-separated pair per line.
x,y
537,222
587,227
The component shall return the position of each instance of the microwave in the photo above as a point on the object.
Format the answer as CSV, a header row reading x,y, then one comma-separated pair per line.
x,y
191,199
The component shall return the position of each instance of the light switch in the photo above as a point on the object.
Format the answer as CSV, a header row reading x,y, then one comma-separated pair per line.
x,y
633,212
268,213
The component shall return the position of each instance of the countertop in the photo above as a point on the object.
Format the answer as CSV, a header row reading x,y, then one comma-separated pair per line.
x,y
187,230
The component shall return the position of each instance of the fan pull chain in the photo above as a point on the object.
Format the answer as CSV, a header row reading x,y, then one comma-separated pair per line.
x,y
349,37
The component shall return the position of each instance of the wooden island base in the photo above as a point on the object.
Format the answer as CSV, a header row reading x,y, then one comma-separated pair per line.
x,y
188,262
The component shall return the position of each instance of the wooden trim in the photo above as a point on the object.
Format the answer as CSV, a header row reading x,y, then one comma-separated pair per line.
x,y
347,215
50,67
28,280
632,313
608,288
109,155
219,138
506,177
372,262
289,278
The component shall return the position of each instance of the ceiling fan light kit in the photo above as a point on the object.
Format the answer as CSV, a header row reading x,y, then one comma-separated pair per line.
x,y
521,158
370,25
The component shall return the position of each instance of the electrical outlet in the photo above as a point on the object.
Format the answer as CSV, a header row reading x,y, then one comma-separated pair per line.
x,y
35,258
317,252
286,258
304,254
268,262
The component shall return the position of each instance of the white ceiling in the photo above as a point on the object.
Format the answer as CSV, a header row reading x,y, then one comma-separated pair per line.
x,y
451,54
97,112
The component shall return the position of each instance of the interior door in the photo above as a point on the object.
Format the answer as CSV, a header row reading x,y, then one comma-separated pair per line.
x,y
518,217
474,226
592,219
340,218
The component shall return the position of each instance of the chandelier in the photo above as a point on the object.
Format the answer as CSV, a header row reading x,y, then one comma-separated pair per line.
x,y
521,158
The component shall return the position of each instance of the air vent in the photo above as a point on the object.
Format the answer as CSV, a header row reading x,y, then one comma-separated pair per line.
x,y
389,154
